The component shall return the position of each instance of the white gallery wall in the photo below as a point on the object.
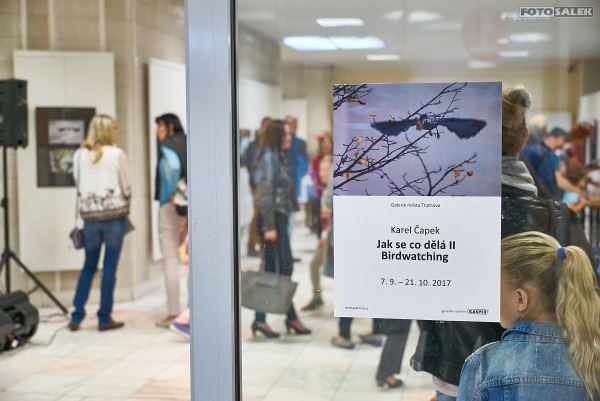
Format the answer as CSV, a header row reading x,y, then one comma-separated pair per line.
x,y
47,215
255,101
166,94
589,111
589,107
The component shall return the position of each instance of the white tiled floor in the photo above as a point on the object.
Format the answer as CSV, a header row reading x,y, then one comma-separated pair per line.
x,y
143,362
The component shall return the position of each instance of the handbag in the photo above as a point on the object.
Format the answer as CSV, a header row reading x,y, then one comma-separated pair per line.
x,y
180,198
267,292
76,234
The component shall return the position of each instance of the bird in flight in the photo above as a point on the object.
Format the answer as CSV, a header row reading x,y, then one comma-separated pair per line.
x,y
463,128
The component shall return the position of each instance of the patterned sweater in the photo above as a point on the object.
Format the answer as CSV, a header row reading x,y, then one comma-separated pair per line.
x,y
104,187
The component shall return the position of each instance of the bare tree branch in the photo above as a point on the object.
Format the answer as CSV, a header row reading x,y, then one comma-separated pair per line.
x,y
349,94
365,155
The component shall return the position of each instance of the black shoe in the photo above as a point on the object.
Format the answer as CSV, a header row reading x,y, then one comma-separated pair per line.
x,y
264,329
390,382
314,303
297,327
371,339
110,325
73,326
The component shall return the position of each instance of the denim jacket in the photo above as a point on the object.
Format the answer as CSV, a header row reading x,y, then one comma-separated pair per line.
x,y
531,362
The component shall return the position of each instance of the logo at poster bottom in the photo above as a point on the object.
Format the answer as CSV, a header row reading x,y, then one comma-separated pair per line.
x,y
477,311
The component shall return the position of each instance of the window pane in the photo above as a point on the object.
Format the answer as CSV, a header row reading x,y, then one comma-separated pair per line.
x,y
289,55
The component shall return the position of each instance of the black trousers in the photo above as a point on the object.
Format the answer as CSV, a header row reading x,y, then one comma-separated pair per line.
x,y
393,351
278,255
346,322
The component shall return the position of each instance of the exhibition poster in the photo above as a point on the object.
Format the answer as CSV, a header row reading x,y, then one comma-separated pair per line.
x,y
417,207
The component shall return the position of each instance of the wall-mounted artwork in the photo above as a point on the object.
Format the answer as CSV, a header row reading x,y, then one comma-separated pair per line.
x,y
60,132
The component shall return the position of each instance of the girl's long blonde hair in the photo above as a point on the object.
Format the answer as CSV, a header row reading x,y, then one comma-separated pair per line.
x,y
567,285
102,132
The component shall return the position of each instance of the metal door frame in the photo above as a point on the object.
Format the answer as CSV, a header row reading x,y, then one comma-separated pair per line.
x,y
212,186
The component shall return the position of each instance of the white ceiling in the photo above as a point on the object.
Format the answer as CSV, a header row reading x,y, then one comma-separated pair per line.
x,y
468,31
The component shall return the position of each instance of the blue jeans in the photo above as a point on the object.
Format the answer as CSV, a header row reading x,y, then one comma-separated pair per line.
x,y
443,397
110,233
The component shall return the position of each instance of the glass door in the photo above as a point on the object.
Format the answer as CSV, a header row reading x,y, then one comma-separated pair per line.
x,y
260,87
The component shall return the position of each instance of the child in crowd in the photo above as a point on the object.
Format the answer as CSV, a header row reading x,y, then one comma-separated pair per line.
x,y
316,302
573,199
181,324
551,308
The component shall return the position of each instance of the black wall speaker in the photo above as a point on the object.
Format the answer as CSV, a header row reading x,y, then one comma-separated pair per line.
x,y
13,113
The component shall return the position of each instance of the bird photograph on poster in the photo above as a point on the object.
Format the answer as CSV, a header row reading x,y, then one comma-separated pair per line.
x,y
426,139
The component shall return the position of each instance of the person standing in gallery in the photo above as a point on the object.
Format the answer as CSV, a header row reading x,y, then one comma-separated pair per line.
x,y
171,178
104,193
249,159
298,163
274,202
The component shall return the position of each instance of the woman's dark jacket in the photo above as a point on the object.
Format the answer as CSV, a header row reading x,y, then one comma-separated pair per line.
x,y
274,189
178,144
444,346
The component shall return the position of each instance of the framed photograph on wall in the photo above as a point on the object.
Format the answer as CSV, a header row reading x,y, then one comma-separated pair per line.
x,y
60,132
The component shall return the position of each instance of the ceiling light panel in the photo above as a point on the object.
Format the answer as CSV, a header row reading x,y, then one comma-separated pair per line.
x,y
394,15
481,65
383,57
514,54
445,26
357,43
309,43
339,22
529,37
322,43
419,16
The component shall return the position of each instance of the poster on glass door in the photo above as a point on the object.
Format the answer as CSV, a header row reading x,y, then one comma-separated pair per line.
x,y
416,183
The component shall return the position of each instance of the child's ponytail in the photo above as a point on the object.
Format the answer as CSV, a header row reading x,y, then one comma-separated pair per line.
x,y
578,312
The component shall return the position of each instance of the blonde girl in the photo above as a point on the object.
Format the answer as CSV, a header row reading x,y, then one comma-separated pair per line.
x,y
551,307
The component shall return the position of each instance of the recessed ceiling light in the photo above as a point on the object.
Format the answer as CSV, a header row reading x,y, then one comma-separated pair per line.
x,y
480,65
514,54
510,16
339,22
394,15
383,57
503,41
529,37
309,43
445,26
357,43
419,16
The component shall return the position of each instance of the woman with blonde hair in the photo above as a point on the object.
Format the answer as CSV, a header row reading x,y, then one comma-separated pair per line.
x,y
551,308
104,192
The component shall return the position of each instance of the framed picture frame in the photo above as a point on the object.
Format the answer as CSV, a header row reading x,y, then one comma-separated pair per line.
x,y
59,133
